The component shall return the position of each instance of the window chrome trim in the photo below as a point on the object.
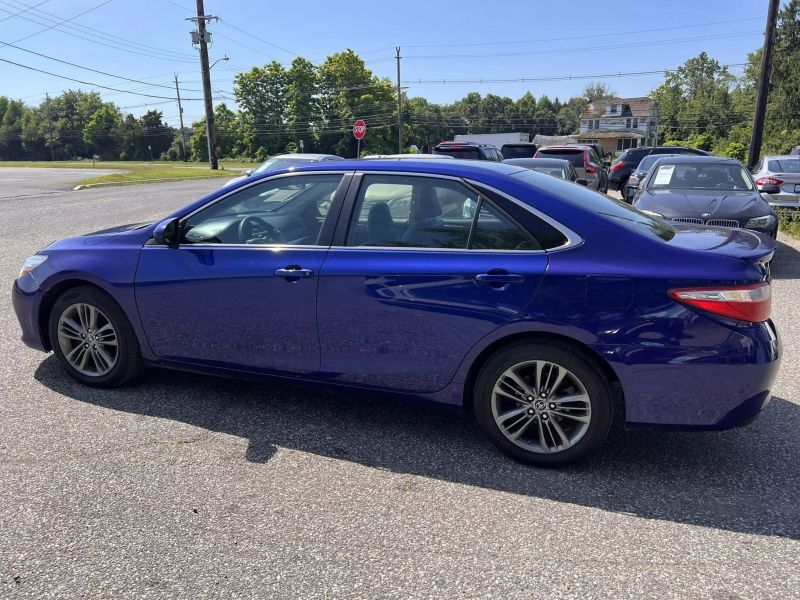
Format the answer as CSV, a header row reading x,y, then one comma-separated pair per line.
x,y
573,239
341,173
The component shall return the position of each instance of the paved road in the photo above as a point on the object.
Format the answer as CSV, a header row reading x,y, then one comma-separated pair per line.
x,y
18,182
186,486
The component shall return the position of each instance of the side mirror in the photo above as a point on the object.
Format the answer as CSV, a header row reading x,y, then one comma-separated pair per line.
x,y
167,233
769,189
582,181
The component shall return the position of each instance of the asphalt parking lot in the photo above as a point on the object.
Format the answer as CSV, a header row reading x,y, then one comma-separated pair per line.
x,y
16,182
185,486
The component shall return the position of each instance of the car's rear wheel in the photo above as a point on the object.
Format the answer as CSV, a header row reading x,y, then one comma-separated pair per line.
x,y
93,339
543,403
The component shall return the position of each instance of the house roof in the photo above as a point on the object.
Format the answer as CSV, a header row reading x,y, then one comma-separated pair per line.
x,y
636,107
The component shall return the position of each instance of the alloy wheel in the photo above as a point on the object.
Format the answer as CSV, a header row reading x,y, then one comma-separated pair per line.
x,y
87,339
541,406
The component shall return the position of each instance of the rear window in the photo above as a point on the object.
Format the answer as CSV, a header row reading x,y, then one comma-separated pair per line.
x,y
509,151
468,152
573,156
785,165
621,213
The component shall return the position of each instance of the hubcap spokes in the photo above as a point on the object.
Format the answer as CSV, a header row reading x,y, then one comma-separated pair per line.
x,y
88,339
541,406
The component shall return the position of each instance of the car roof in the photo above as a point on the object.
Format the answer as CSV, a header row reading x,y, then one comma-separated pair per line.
x,y
519,144
522,162
580,148
409,156
308,155
455,143
781,157
679,159
456,167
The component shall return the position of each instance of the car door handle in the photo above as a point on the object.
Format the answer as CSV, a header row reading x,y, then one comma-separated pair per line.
x,y
292,272
502,278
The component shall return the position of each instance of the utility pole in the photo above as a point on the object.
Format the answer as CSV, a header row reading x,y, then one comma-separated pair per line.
x,y
202,41
180,116
50,127
763,84
399,107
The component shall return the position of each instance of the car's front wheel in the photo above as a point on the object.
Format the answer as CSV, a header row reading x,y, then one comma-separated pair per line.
x,y
543,403
93,339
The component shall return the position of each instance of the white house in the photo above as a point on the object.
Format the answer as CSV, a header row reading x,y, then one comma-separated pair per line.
x,y
620,123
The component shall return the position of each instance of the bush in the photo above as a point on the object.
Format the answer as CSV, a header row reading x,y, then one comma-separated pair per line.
x,y
789,222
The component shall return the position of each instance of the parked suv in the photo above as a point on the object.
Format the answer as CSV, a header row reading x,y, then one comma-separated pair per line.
x,y
469,150
518,150
585,160
622,167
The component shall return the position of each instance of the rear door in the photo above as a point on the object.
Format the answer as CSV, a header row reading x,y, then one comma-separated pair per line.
x,y
788,171
402,311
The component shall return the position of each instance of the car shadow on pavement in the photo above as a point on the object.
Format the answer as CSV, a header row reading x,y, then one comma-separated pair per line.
x,y
786,263
744,480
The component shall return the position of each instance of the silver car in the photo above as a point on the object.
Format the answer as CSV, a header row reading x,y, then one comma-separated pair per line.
x,y
778,179
283,161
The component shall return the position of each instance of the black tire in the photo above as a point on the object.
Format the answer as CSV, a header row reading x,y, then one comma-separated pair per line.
x,y
128,363
581,366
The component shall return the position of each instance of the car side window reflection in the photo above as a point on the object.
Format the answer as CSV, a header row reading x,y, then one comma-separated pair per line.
x,y
418,212
284,211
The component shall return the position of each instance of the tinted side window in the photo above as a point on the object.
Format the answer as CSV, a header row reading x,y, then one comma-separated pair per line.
x,y
545,235
284,210
495,231
417,212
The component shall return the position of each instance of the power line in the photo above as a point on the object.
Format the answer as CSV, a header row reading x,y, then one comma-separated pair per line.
x,y
105,87
586,48
80,14
564,39
72,64
105,39
525,79
16,14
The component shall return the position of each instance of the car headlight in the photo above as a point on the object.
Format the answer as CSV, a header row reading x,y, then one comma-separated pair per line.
x,y
652,214
31,263
765,221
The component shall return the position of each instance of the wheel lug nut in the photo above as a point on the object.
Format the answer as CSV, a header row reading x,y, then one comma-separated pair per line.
x,y
86,345
544,395
552,406
544,417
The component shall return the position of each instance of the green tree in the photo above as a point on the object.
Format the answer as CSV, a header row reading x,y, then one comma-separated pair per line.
x,y
12,116
155,133
262,94
102,132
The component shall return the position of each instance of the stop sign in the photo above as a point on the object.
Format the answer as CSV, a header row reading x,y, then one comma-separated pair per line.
x,y
359,129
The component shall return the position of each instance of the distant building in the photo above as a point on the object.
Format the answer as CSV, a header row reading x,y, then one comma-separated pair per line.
x,y
620,123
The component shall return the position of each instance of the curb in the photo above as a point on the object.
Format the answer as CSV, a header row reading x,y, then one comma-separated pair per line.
x,y
87,186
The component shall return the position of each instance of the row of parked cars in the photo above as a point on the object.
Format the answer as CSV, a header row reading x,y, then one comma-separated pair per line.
x,y
674,183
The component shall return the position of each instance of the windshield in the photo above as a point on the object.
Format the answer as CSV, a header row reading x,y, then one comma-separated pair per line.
x,y
518,151
462,152
648,162
276,164
785,165
573,156
554,171
708,176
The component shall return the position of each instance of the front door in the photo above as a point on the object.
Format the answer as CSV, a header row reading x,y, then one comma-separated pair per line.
x,y
424,272
240,291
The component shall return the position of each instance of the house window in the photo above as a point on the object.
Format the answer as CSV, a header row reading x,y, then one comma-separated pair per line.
x,y
612,109
635,123
624,144
588,141
594,124
632,123
585,123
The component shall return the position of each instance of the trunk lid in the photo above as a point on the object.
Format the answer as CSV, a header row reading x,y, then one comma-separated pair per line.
x,y
735,243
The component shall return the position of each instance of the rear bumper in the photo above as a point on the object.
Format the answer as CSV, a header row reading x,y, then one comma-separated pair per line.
x,y
702,388
26,298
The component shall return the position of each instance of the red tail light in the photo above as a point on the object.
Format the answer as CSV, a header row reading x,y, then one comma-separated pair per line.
x,y
769,181
589,168
618,166
750,303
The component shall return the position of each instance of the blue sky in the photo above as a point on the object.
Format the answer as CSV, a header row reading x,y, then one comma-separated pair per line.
x,y
441,40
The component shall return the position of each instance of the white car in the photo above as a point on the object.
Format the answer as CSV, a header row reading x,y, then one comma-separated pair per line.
x,y
284,161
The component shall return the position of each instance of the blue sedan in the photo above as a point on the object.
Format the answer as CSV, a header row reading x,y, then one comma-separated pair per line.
x,y
537,305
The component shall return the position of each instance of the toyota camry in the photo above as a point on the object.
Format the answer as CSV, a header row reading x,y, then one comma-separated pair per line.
x,y
541,311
